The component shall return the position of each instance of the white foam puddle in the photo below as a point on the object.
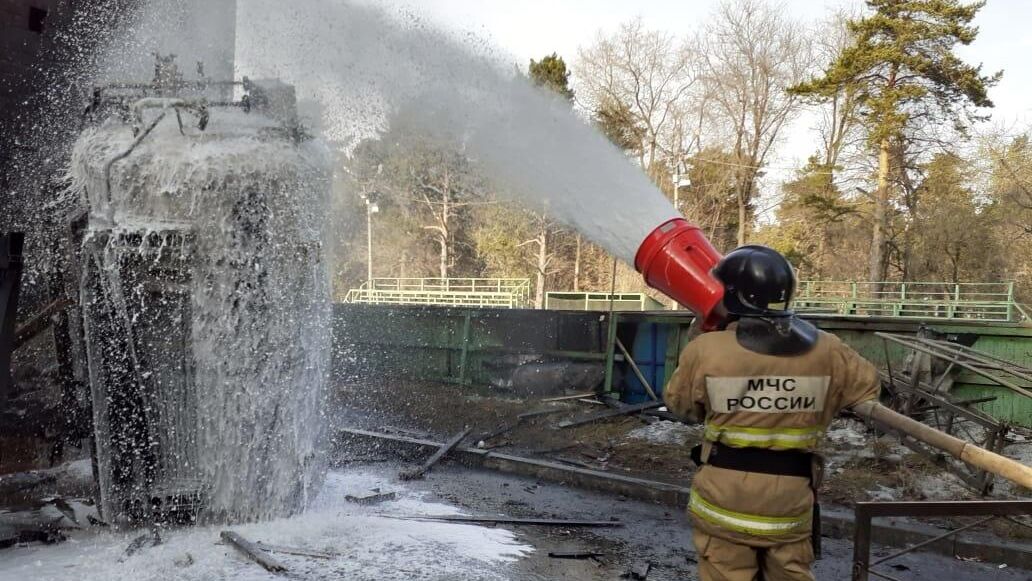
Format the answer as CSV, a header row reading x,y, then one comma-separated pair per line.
x,y
370,544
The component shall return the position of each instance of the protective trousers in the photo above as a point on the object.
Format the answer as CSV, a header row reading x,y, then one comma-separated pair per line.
x,y
723,560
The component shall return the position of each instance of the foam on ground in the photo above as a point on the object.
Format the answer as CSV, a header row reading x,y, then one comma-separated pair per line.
x,y
370,543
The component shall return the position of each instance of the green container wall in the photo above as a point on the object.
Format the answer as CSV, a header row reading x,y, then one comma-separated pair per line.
x,y
457,344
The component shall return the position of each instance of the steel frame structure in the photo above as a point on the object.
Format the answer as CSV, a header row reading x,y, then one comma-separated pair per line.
x,y
911,395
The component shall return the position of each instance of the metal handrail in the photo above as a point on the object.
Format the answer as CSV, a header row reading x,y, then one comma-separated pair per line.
x,y
465,292
915,300
517,286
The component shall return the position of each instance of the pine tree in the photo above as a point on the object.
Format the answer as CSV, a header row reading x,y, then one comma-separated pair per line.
x,y
902,66
551,73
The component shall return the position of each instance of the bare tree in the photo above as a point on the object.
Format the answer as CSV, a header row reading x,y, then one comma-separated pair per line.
x,y
640,77
750,55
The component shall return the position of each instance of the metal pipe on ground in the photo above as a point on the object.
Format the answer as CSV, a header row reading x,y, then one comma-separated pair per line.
x,y
1002,466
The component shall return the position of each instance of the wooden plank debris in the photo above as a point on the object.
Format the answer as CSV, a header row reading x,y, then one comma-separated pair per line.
x,y
253,551
293,551
637,371
569,397
575,554
413,474
376,497
621,411
519,521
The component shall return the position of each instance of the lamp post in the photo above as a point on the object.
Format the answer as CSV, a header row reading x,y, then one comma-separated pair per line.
x,y
371,208
680,180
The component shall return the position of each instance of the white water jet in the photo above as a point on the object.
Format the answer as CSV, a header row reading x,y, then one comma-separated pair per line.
x,y
366,66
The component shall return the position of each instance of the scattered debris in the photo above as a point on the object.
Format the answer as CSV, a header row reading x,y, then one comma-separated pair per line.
x,y
65,509
11,537
96,521
621,411
536,413
375,497
413,474
519,521
253,552
144,541
638,570
184,561
406,432
569,397
574,554
21,481
293,551
496,432
573,462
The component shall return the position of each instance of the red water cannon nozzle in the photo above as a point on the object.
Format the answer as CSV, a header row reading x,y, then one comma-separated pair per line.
x,y
676,258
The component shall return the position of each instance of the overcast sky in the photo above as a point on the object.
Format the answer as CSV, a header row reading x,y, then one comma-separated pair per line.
x,y
533,28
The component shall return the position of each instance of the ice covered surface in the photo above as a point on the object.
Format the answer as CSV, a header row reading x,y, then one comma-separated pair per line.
x,y
848,433
666,432
370,544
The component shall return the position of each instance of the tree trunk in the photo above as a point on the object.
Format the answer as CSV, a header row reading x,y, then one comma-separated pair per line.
x,y
542,267
880,218
577,265
444,256
445,233
743,216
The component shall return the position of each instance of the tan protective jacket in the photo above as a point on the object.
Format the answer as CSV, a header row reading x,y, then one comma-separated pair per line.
x,y
764,401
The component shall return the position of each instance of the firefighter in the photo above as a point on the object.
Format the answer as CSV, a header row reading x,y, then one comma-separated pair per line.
x,y
767,385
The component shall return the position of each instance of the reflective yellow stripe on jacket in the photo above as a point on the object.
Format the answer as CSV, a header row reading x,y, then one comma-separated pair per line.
x,y
748,523
787,438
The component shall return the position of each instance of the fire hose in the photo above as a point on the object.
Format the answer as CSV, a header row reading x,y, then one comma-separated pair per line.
x,y
1002,466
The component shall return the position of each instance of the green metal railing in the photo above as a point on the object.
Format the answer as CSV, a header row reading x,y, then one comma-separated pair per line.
x,y
911,300
587,301
506,293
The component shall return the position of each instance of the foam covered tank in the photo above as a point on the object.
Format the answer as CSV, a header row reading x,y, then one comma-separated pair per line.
x,y
205,299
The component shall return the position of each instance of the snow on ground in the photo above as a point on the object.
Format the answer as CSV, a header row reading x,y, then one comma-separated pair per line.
x,y
665,432
848,433
369,541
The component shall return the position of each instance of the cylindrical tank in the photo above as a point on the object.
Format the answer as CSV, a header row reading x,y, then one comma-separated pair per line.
x,y
205,300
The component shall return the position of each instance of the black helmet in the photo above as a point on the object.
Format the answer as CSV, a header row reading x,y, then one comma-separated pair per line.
x,y
758,281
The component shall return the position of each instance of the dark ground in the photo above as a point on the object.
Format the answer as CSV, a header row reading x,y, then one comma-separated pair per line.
x,y
652,533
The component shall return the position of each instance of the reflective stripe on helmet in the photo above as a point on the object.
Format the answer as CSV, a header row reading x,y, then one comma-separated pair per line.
x,y
748,523
789,438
